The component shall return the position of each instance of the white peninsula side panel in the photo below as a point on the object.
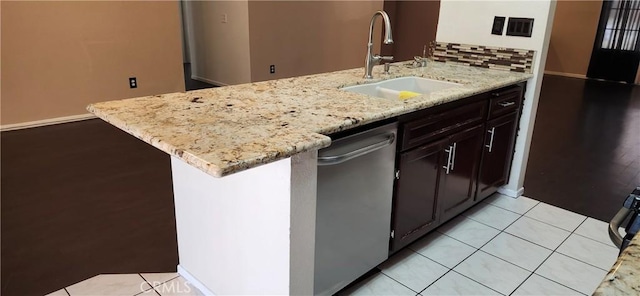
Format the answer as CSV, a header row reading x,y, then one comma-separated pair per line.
x,y
248,233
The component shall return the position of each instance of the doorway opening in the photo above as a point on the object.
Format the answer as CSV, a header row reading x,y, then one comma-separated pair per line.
x,y
616,50
187,45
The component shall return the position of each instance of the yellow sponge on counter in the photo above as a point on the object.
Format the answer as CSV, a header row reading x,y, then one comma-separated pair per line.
x,y
405,94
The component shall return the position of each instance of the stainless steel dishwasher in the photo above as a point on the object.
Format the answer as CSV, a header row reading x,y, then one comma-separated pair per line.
x,y
355,187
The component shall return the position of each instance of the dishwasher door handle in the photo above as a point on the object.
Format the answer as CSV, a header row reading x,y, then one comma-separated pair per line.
x,y
614,225
337,159
630,207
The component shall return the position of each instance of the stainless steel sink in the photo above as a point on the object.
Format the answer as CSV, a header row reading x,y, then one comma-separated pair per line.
x,y
392,88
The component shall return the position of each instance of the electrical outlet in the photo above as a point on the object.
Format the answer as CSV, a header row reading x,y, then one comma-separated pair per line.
x,y
133,82
272,69
224,18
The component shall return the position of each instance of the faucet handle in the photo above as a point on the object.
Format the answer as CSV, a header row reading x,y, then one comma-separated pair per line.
x,y
387,58
387,67
419,61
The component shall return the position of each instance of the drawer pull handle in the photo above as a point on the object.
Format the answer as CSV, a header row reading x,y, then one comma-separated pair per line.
x,y
495,94
453,158
450,154
492,131
506,104
337,159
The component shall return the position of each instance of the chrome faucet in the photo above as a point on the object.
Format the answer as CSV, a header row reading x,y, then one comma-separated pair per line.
x,y
373,59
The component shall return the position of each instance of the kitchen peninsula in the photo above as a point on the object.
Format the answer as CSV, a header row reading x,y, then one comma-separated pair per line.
x,y
244,163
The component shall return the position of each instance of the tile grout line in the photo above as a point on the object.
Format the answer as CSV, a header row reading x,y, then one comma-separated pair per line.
x,y
537,202
451,269
555,250
551,280
384,274
430,259
524,239
503,231
545,260
65,290
492,225
587,263
429,285
415,252
500,231
476,251
595,240
151,285
534,270
462,275
554,225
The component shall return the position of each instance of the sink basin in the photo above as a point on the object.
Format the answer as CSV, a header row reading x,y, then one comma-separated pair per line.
x,y
390,89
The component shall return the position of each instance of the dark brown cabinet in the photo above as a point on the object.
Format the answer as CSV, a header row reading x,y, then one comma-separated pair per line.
x,y
437,169
458,181
415,207
497,154
449,158
500,135
435,182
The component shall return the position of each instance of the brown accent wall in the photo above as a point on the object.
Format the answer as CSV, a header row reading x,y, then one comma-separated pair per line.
x,y
58,57
414,25
306,37
574,31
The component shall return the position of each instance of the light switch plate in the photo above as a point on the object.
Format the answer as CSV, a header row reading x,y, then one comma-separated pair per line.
x,y
498,25
520,26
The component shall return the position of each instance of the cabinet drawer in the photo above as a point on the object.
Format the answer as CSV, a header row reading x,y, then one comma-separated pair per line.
x,y
504,102
435,126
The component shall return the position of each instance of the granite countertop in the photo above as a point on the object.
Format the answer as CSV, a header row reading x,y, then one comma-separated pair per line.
x,y
229,129
624,276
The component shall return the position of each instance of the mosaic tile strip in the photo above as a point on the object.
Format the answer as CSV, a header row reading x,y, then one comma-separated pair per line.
x,y
508,59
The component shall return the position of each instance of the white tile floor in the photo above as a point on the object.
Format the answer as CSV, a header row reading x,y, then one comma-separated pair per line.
x,y
503,246
148,284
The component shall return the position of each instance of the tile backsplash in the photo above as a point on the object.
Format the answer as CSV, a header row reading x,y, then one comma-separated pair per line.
x,y
499,58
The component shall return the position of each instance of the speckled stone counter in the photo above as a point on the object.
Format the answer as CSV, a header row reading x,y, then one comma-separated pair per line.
x,y
229,129
624,276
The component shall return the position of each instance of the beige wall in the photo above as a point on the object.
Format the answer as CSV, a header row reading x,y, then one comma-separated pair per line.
x,y
220,53
305,37
57,57
572,36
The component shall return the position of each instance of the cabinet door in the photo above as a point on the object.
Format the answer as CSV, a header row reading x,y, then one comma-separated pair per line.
x,y
414,208
458,181
497,154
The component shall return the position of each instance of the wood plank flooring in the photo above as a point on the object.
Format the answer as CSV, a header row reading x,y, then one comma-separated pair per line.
x,y
81,199
585,152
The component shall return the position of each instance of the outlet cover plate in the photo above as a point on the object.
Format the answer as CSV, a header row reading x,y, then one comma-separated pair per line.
x,y
133,82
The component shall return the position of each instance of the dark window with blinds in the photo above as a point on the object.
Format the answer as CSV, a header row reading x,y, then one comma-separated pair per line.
x,y
622,26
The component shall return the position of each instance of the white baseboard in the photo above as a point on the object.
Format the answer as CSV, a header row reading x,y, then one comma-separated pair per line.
x,y
193,281
572,75
45,122
511,192
216,83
